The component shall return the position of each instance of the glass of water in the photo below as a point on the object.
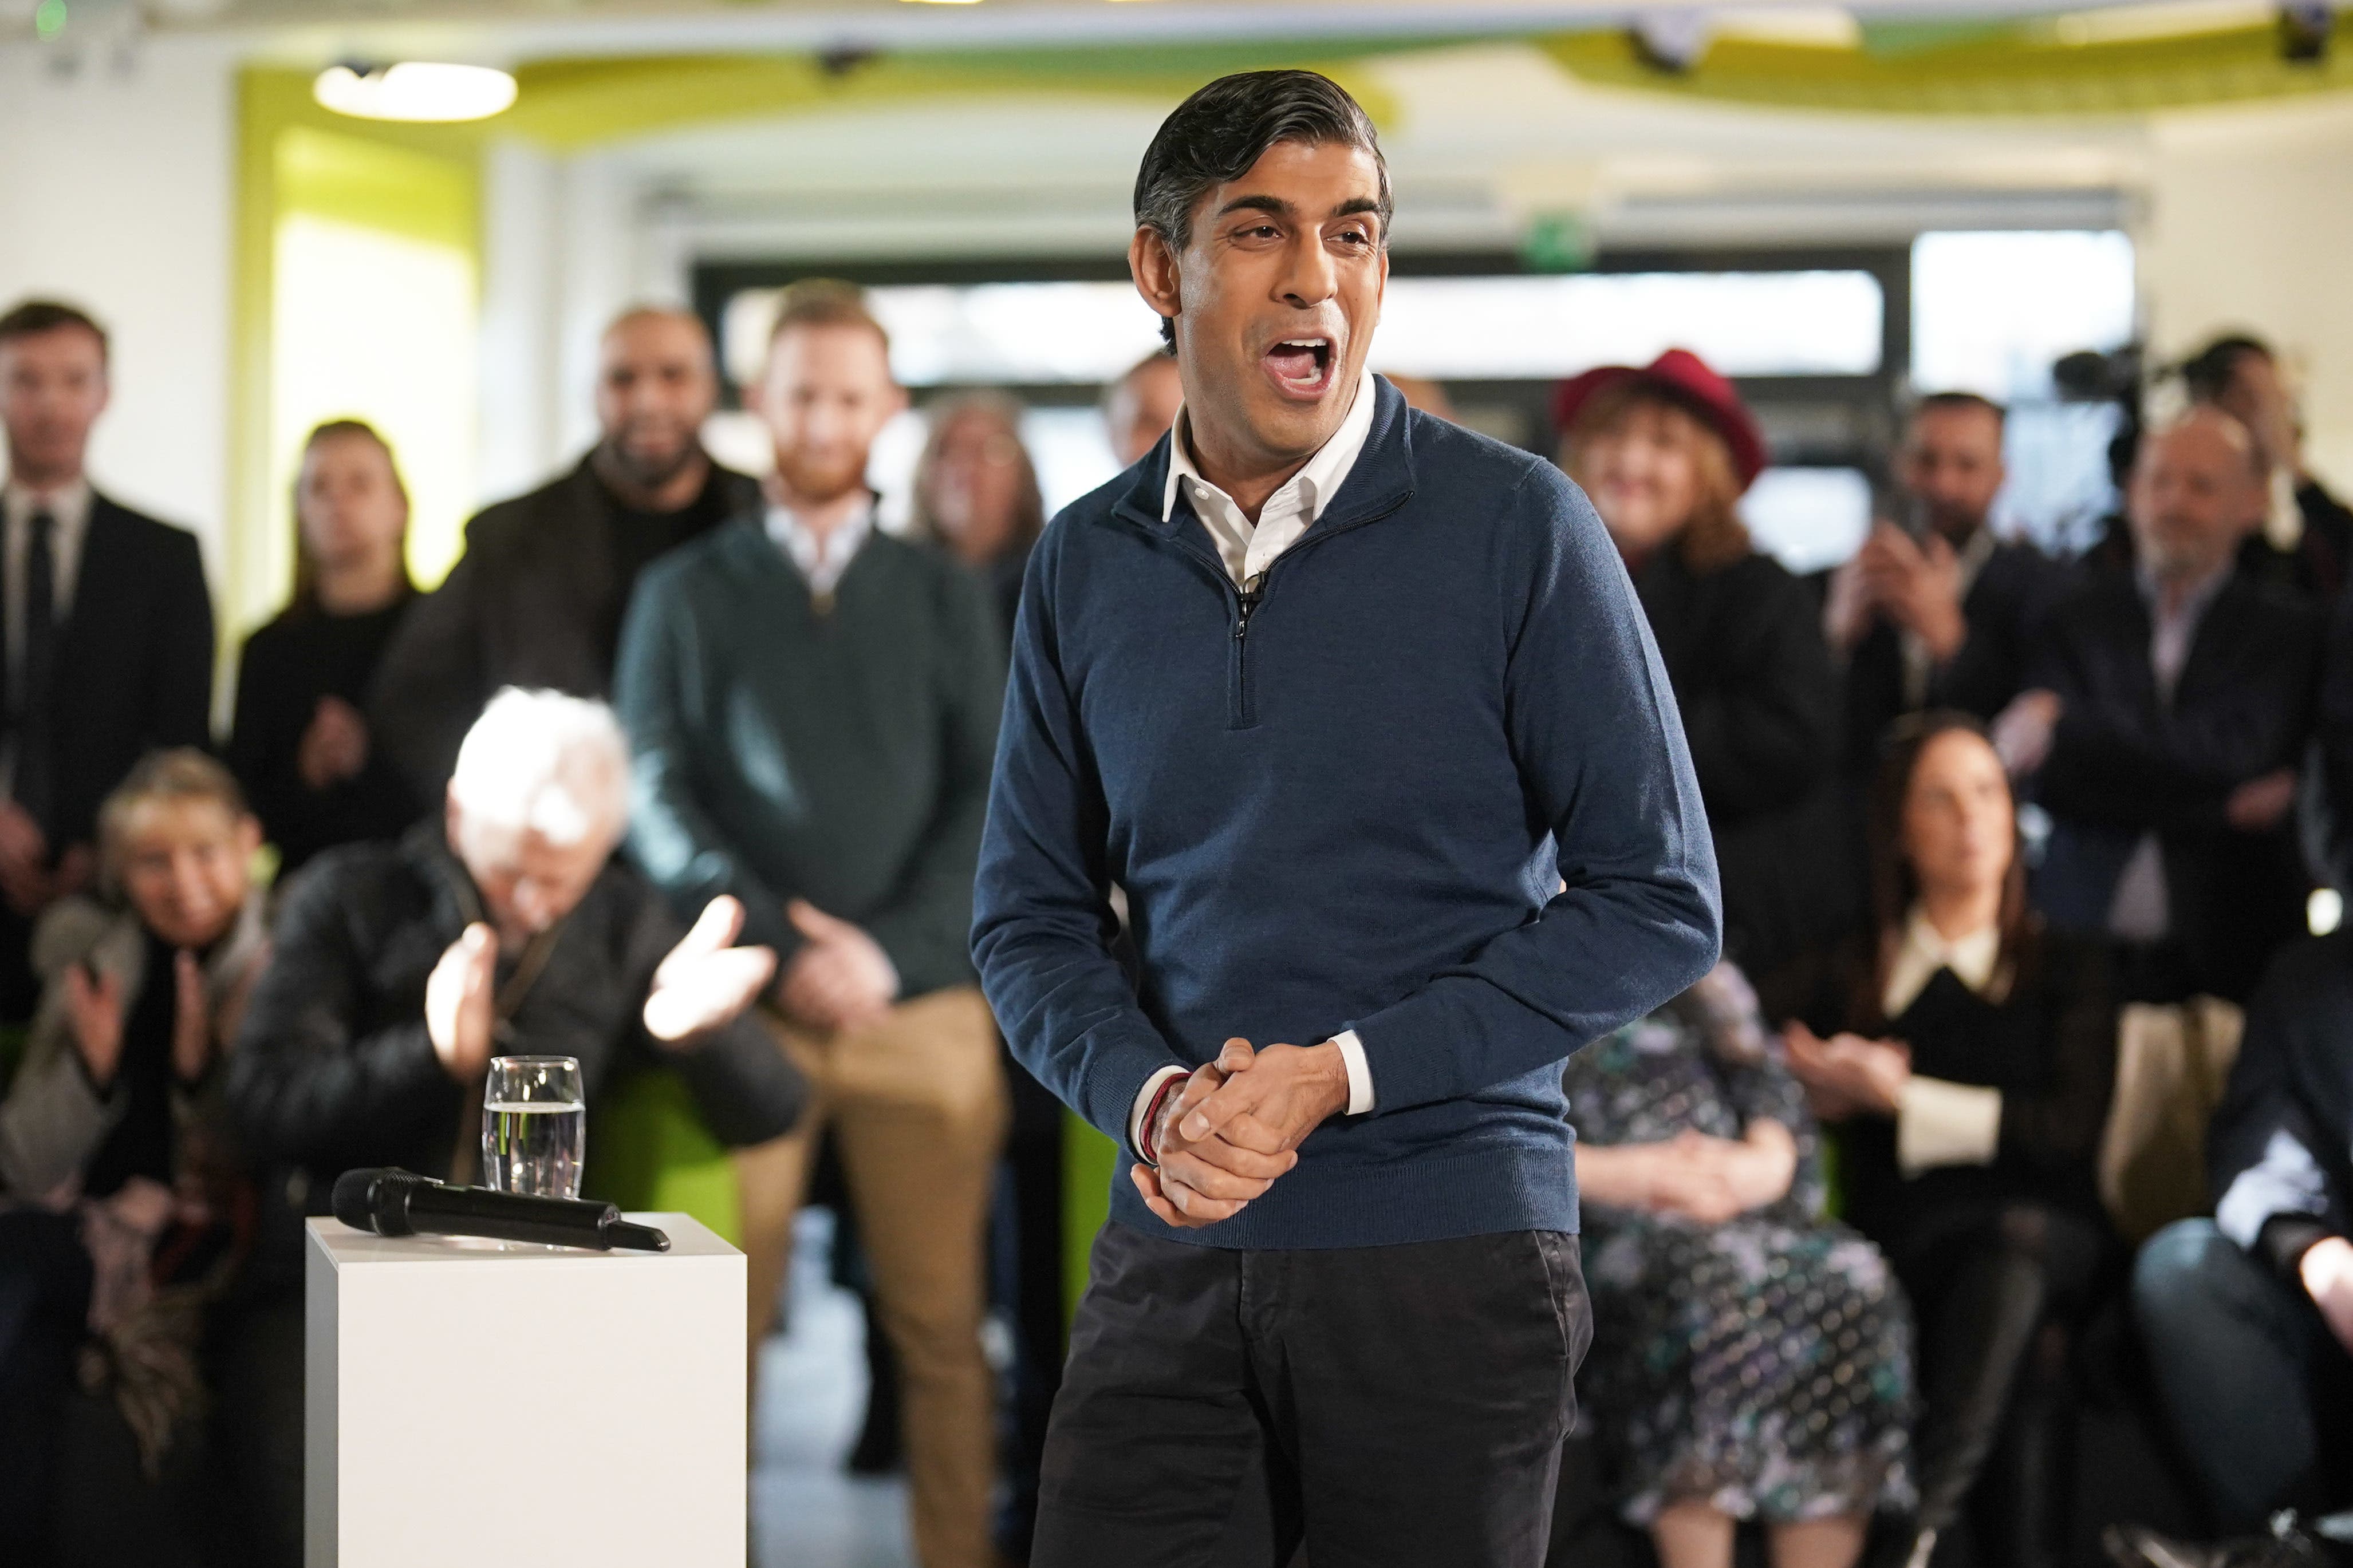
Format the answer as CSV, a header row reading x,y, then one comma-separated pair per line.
x,y
534,1126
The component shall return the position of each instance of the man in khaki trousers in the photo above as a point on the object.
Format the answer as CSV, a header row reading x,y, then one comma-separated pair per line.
x,y
812,706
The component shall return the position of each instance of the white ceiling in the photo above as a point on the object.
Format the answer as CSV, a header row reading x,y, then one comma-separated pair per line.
x,y
1484,137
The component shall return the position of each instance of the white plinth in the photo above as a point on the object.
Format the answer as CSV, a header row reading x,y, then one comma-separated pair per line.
x,y
528,1407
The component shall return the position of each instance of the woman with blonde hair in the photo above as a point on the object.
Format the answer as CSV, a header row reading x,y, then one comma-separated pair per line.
x,y
1665,453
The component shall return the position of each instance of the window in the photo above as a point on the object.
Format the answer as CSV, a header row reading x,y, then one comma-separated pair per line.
x,y
1498,328
1991,314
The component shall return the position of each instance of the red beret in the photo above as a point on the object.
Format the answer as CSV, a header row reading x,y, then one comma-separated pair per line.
x,y
1686,381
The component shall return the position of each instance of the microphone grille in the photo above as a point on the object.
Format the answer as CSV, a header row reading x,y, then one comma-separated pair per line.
x,y
376,1198
354,1199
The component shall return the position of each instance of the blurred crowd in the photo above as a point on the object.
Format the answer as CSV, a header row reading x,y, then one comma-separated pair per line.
x,y
1989,1204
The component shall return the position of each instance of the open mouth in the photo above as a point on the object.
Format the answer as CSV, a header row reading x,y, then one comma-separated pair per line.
x,y
1301,367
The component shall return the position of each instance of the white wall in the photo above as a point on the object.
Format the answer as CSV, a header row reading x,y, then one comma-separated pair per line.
x,y
117,193
2251,226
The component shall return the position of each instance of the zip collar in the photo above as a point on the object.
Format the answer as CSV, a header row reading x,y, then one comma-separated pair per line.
x,y
1381,482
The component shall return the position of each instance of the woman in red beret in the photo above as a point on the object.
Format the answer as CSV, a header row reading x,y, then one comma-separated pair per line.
x,y
1665,452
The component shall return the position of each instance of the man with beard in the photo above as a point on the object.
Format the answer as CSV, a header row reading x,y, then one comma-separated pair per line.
x,y
1938,613
536,600
813,708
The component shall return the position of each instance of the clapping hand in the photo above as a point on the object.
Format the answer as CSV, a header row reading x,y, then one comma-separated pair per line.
x,y
24,877
2258,805
94,1008
2326,1271
1918,583
707,981
1203,1181
1847,1075
335,747
458,1004
192,1018
841,979
2023,732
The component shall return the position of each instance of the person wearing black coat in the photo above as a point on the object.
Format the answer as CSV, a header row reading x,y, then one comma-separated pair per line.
x,y
2164,726
399,969
1968,1065
1664,453
537,599
300,744
108,628
1940,614
2248,1316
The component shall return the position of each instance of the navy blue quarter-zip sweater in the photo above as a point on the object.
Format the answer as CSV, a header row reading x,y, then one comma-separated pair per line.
x,y
1347,800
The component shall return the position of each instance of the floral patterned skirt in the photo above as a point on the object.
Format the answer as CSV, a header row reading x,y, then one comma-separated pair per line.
x,y
1761,1366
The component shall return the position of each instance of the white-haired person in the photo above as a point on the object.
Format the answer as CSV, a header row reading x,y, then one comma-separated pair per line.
x,y
505,928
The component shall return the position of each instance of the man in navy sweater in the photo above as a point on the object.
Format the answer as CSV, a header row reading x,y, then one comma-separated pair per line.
x,y
1359,710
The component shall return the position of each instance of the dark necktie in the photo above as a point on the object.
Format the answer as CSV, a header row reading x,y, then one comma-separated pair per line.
x,y
34,727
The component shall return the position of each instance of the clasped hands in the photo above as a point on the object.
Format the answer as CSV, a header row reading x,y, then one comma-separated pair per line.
x,y
1235,1126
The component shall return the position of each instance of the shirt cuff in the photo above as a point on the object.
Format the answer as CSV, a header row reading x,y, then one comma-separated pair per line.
x,y
1360,1072
1144,1103
1941,1123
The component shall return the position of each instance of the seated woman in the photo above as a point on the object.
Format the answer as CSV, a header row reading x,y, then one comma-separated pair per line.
x,y
121,1212
1665,452
1970,1062
298,743
1751,1359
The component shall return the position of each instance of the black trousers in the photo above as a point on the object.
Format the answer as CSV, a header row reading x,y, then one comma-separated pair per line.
x,y
1385,1404
45,1282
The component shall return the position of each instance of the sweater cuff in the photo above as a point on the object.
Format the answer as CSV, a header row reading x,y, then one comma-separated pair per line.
x,y
1941,1123
1409,1048
2286,1238
1144,1098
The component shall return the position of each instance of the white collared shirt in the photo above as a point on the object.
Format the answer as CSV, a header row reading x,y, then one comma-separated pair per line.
x,y
821,560
1937,1121
68,510
2140,907
1248,549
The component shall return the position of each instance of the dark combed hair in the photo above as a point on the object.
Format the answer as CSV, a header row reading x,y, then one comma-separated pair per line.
x,y
30,317
1218,132
1894,888
1956,402
2207,374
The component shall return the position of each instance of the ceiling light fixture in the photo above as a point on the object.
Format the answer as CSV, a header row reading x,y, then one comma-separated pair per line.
x,y
416,90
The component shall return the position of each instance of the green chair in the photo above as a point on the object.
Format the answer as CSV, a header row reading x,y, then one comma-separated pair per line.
x,y
647,1150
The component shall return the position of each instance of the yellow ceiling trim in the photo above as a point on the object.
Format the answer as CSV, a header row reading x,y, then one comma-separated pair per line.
x,y
2024,70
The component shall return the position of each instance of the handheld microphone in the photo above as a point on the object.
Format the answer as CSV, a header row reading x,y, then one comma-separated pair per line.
x,y
390,1201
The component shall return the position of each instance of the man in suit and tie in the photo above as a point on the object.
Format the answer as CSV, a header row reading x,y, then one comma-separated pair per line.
x,y
109,629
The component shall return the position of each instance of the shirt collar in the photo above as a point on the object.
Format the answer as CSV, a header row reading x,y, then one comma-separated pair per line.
x,y
2193,603
817,558
1314,484
1925,950
67,505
